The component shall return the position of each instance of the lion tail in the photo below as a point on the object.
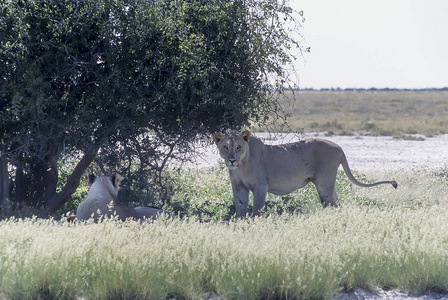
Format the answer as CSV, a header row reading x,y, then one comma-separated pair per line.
x,y
352,178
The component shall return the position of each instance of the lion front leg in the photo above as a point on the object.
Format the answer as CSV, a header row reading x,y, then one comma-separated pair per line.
x,y
241,200
259,199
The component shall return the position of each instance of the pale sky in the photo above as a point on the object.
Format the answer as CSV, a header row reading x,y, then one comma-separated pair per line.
x,y
380,43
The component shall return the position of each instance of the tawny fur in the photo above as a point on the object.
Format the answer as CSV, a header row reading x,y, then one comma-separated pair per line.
x,y
282,169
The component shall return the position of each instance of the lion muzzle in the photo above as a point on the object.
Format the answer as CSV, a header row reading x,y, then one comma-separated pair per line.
x,y
232,164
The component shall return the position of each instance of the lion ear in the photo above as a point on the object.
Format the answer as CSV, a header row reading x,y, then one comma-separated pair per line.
x,y
217,137
245,135
91,178
116,179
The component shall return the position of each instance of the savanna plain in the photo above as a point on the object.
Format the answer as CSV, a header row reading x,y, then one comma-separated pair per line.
x,y
379,238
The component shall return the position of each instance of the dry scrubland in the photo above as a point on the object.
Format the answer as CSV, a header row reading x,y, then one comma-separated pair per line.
x,y
381,237
379,112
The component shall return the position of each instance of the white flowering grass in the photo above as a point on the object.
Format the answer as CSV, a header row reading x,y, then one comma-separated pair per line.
x,y
307,256
380,238
417,187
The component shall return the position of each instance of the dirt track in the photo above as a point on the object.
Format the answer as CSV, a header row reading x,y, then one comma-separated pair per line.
x,y
367,152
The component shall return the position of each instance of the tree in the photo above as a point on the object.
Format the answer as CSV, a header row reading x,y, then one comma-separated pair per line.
x,y
131,84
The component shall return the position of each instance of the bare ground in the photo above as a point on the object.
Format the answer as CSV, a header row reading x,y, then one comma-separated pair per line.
x,y
360,294
367,152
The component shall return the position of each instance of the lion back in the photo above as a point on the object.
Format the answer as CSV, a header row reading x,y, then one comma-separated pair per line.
x,y
103,190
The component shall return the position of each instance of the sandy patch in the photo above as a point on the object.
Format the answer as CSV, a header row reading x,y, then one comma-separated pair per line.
x,y
360,294
366,152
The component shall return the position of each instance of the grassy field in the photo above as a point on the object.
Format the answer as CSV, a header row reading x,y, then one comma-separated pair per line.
x,y
378,112
380,238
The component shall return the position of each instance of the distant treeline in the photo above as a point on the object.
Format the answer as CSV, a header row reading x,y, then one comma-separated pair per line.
x,y
373,89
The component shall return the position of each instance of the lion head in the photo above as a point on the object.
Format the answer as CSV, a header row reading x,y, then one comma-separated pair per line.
x,y
233,148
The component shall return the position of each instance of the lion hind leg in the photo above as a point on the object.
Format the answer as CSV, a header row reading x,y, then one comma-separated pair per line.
x,y
325,182
328,197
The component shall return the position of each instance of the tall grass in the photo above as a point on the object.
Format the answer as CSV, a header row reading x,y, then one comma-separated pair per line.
x,y
307,256
389,241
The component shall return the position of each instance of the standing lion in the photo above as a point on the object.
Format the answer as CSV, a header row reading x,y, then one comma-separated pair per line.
x,y
282,169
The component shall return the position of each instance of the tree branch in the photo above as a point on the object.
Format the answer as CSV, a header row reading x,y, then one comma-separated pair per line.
x,y
72,184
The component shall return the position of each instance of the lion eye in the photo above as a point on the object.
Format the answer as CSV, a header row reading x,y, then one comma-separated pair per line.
x,y
238,147
226,147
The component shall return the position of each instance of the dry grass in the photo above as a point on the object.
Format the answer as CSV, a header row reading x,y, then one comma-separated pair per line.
x,y
380,238
309,256
378,112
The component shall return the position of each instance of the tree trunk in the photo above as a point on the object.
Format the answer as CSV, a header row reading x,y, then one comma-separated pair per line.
x,y
21,188
36,187
4,181
72,184
50,180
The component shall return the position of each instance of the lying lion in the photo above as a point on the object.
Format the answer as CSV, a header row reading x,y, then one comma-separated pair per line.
x,y
102,201
282,169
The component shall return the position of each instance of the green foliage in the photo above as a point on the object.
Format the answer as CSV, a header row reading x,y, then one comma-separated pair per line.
x,y
134,81
205,194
